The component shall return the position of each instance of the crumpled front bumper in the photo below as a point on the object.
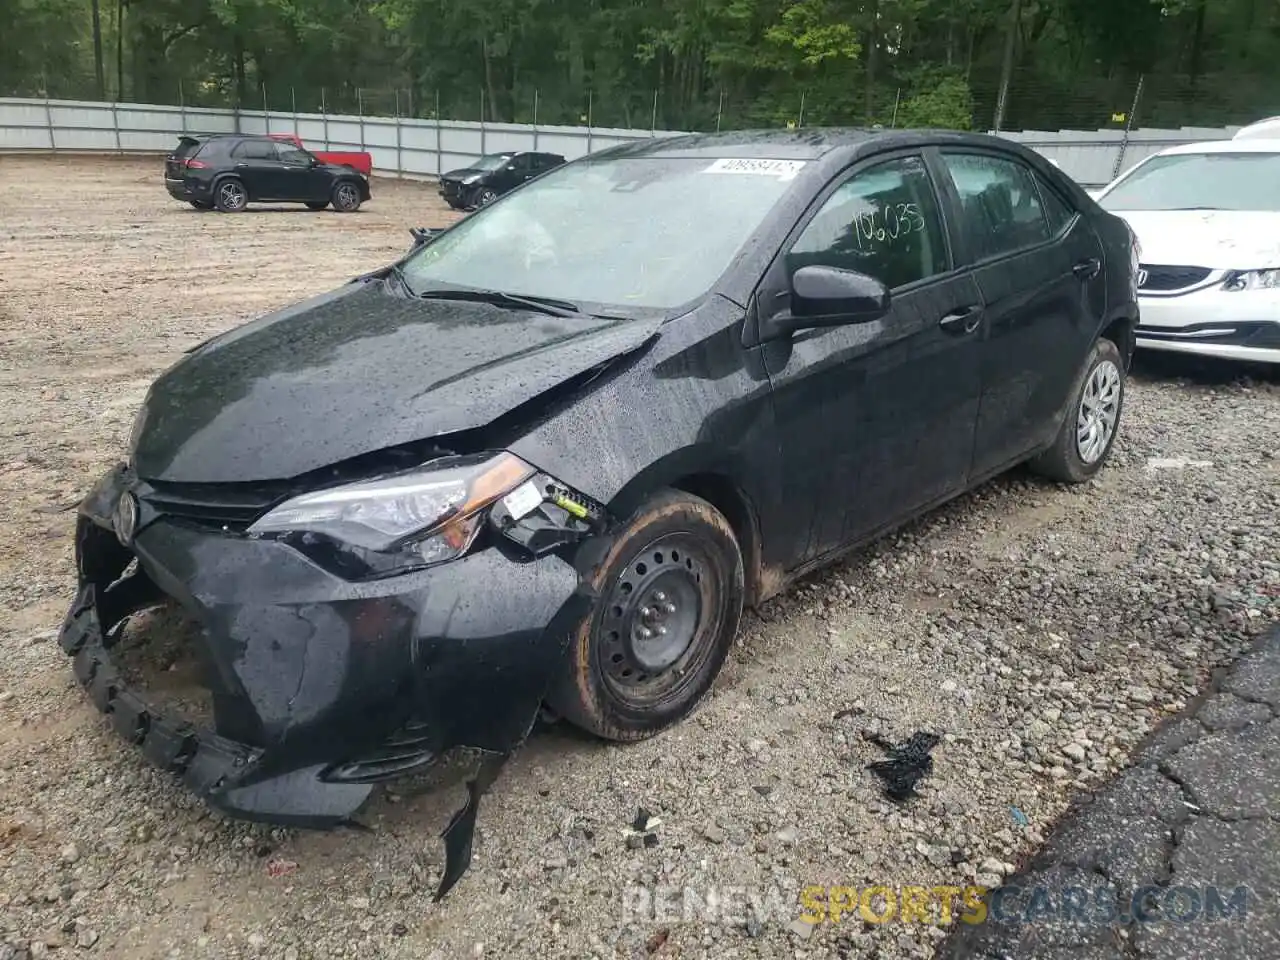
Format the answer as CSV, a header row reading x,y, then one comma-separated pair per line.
x,y
312,676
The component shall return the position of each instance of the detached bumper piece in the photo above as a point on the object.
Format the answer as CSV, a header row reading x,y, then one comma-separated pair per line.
x,y
201,758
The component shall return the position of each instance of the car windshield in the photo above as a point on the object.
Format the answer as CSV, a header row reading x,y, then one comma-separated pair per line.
x,y
491,161
629,232
1200,181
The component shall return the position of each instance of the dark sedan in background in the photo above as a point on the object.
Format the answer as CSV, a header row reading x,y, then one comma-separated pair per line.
x,y
493,175
548,456
230,171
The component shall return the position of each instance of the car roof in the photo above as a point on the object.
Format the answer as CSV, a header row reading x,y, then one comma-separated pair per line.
x,y
1264,129
809,143
1246,145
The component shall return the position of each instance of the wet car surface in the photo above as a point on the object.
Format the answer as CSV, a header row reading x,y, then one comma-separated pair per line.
x,y
548,456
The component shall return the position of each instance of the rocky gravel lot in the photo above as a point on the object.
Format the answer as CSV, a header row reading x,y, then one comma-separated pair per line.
x,y
1041,631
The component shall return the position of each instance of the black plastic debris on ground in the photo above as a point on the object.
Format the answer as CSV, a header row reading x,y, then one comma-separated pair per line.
x,y
909,762
641,831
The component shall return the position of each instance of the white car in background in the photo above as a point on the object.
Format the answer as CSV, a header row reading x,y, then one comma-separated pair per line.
x,y
1207,216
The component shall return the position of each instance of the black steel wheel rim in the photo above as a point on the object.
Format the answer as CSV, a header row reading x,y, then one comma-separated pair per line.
x,y
658,622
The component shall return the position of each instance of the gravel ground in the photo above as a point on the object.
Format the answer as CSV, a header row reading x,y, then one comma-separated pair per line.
x,y
1042,631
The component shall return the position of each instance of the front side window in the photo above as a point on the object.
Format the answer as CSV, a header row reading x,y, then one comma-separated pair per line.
x,y
1002,208
1200,181
883,222
641,232
491,161
288,153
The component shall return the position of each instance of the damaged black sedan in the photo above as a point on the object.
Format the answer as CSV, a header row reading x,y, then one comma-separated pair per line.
x,y
546,458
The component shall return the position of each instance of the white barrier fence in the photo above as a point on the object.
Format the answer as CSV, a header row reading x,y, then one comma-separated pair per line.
x,y
410,147
399,146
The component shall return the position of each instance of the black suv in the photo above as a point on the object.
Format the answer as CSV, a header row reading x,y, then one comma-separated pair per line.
x,y
493,175
231,170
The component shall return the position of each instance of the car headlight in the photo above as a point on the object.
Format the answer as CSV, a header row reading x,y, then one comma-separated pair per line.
x,y
414,518
1252,280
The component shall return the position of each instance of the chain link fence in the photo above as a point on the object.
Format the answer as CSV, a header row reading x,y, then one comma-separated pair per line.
x,y
1032,100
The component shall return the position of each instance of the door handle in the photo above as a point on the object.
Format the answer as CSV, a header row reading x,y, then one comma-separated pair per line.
x,y
962,321
1087,269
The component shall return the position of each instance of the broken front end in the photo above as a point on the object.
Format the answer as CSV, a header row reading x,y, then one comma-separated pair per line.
x,y
337,651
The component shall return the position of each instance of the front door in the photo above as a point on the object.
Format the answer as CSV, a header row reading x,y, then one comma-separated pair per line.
x,y
296,177
876,420
515,172
1039,266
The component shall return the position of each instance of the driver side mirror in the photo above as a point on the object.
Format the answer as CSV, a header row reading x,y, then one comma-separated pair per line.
x,y
423,235
832,297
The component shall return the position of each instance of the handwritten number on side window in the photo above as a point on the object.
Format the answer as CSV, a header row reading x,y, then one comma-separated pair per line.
x,y
892,222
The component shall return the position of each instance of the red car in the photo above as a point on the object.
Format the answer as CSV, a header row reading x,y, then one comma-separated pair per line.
x,y
362,162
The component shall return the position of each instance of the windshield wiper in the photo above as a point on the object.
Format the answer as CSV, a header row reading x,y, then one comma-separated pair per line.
x,y
500,298
400,278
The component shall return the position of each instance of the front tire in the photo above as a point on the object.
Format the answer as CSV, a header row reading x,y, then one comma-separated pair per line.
x,y
485,197
671,590
230,196
346,197
1092,422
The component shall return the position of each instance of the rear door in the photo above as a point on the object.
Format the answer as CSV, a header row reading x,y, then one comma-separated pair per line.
x,y
255,163
1038,264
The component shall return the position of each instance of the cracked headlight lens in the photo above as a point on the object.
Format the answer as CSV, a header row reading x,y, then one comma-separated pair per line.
x,y
419,517
1252,280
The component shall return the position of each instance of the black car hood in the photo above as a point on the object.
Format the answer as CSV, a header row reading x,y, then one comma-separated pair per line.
x,y
355,371
463,173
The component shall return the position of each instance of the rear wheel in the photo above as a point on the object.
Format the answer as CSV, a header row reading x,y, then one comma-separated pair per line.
x,y
346,197
317,204
1092,422
230,195
671,591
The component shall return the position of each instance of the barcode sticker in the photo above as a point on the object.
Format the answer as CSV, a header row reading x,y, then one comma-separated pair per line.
x,y
762,167
522,500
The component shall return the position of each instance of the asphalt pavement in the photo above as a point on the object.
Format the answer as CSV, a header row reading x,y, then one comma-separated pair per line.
x,y
1178,858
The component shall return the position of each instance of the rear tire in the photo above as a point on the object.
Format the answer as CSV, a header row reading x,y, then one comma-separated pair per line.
x,y
346,197
230,196
317,204
1092,423
671,590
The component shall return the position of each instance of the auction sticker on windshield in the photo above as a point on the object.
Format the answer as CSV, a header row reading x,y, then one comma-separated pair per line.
x,y
782,169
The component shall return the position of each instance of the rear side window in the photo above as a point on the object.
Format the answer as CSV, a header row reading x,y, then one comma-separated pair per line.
x,y
255,150
1056,210
883,221
1002,207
